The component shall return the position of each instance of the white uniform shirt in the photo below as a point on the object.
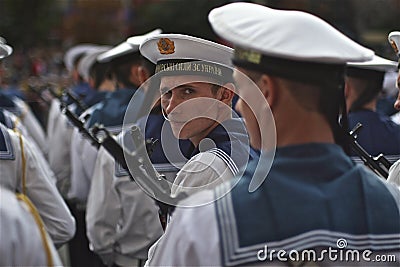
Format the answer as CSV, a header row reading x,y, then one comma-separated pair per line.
x,y
54,113
192,238
203,171
17,125
33,126
122,221
41,189
396,117
21,242
394,173
83,160
59,141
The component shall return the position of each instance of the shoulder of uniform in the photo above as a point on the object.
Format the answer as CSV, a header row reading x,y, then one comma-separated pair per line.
x,y
6,146
7,118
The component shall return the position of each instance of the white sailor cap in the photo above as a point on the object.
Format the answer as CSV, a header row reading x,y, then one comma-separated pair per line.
x,y
378,66
292,44
5,50
177,54
130,46
136,41
76,51
394,40
88,61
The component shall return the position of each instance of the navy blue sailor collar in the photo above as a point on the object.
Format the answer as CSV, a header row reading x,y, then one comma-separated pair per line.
x,y
230,141
113,108
296,189
6,147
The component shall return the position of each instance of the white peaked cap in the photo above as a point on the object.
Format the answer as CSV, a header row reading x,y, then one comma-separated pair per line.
x,y
377,63
292,35
89,59
5,50
179,46
178,54
394,40
129,46
74,52
119,50
136,41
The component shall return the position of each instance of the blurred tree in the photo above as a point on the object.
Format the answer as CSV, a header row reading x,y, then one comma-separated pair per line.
x,y
175,16
29,23
94,21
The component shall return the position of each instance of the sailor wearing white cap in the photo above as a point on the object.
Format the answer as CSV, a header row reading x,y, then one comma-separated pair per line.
x,y
196,95
71,61
21,109
313,194
19,114
23,171
122,221
363,84
109,111
87,61
394,40
123,60
59,131
72,58
81,164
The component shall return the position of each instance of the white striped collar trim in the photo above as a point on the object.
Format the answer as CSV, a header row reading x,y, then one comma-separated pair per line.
x,y
233,254
226,158
7,154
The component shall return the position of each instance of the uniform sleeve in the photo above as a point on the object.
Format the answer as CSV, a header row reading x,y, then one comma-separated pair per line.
x,y
21,128
21,243
59,154
203,171
140,226
191,238
43,193
33,126
103,207
83,160
54,112
394,173
395,191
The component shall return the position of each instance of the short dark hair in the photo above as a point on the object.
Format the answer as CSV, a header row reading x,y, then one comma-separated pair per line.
x,y
99,72
366,91
328,101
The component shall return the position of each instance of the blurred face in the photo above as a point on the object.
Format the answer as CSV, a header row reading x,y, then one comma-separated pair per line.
x,y
191,107
397,103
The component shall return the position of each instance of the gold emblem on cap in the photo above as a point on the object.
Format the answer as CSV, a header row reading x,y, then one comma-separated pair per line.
x,y
247,55
166,46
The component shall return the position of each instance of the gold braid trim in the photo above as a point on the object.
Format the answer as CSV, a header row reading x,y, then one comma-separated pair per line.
x,y
21,143
23,197
40,225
